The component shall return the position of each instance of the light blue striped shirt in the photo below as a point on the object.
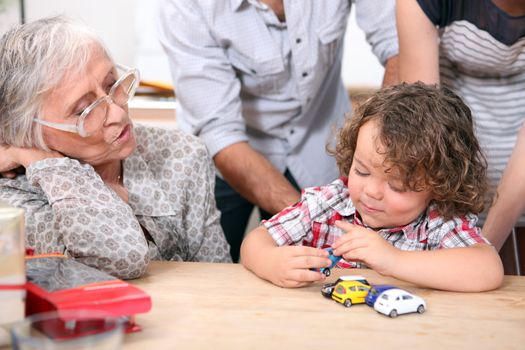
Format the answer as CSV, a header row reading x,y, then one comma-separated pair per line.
x,y
242,75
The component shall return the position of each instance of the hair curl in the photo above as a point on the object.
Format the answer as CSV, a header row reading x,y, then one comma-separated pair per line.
x,y
428,137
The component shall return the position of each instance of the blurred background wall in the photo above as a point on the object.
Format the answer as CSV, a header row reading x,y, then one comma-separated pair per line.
x,y
129,29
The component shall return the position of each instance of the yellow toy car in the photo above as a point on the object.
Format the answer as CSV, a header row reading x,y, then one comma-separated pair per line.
x,y
350,292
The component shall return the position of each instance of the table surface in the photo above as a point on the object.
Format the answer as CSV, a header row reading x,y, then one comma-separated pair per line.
x,y
198,305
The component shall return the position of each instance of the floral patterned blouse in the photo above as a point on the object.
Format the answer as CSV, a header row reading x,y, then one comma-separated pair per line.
x,y
171,214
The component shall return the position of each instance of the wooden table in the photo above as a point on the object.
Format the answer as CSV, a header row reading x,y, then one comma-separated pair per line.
x,y
224,306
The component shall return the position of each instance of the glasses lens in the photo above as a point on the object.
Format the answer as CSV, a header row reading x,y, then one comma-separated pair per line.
x,y
124,90
95,118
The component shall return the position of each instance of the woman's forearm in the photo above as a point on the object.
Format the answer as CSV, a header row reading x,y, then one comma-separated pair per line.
x,y
87,219
509,203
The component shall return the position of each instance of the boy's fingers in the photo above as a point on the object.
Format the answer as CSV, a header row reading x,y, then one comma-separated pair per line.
x,y
344,225
341,240
309,262
305,275
347,246
310,251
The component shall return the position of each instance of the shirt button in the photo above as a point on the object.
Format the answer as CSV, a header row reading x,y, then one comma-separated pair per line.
x,y
298,40
253,71
292,131
305,74
308,100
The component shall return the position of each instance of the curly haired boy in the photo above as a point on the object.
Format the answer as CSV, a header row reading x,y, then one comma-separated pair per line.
x,y
414,178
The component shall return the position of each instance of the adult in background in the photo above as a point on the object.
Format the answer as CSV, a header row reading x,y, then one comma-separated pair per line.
x,y
260,82
93,186
476,48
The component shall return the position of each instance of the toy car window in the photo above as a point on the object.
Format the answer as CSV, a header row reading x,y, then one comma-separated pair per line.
x,y
407,297
55,273
362,289
384,296
353,289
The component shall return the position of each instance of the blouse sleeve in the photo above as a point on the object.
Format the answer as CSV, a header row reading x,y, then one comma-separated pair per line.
x,y
69,209
202,220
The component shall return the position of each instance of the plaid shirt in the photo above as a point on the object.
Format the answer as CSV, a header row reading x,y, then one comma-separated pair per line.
x,y
311,222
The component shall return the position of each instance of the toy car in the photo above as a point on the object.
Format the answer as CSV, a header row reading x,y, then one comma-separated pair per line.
x,y
328,288
375,291
333,258
397,301
350,292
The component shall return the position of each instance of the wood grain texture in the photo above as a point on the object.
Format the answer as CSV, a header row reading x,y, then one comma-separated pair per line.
x,y
224,306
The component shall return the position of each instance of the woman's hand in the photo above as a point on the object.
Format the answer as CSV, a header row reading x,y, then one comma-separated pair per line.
x,y
363,245
11,158
289,266
8,164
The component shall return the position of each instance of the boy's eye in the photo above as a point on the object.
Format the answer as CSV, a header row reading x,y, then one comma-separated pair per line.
x,y
396,187
360,173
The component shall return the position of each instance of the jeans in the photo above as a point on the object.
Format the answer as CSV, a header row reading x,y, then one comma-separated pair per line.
x,y
236,211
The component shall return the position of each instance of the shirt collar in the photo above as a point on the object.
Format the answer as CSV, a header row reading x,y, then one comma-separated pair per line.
x,y
236,4
416,230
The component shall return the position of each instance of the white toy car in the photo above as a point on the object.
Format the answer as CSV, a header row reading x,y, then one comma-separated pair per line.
x,y
397,301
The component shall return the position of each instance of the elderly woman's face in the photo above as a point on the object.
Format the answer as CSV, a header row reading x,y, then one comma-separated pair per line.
x,y
114,140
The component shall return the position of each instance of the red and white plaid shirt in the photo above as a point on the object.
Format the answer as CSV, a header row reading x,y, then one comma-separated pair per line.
x,y
311,222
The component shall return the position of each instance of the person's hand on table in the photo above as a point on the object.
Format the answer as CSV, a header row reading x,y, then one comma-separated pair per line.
x,y
367,246
289,266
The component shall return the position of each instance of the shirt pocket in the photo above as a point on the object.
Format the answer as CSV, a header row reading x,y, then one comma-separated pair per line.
x,y
330,39
258,78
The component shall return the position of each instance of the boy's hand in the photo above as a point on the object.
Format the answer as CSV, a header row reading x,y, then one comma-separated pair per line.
x,y
289,266
361,244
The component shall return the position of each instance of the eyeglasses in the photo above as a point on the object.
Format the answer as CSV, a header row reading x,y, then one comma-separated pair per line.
x,y
94,116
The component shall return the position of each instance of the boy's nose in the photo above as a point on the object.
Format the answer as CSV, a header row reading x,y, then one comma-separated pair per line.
x,y
373,190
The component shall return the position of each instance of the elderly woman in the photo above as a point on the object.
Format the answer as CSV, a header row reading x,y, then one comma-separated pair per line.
x,y
93,186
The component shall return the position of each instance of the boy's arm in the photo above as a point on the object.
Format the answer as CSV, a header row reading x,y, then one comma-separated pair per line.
x,y
475,268
286,266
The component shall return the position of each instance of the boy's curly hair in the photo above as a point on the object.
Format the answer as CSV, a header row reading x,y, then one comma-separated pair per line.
x,y
428,136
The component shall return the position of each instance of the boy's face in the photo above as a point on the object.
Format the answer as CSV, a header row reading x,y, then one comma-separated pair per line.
x,y
379,196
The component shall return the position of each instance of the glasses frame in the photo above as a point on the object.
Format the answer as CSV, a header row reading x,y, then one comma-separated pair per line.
x,y
78,128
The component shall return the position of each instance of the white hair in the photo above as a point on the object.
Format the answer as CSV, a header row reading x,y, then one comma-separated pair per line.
x,y
34,58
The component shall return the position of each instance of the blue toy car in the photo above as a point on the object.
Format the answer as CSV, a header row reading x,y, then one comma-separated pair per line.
x,y
333,258
375,291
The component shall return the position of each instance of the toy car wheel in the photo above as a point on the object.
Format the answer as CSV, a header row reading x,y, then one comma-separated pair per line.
x,y
420,309
393,313
347,303
326,272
